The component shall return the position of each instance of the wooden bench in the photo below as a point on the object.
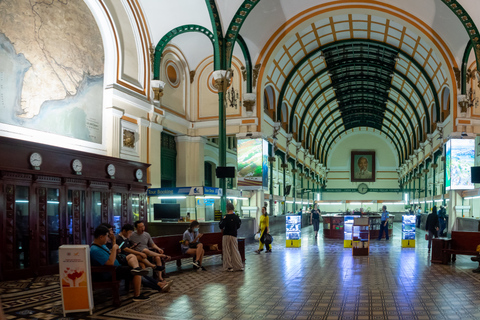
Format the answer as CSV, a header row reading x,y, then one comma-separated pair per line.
x,y
172,247
113,284
463,242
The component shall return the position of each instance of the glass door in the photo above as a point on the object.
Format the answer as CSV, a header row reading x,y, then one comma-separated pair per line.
x,y
76,217
23,230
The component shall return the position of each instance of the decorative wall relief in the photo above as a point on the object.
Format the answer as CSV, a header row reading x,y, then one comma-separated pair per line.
x,y
128,139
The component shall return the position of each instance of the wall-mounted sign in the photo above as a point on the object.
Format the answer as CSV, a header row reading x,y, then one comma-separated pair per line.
x,y
460,157
252,155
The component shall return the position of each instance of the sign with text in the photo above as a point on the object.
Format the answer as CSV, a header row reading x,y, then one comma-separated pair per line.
x,y
75,278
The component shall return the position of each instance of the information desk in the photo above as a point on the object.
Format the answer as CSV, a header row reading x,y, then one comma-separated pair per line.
x,y
333,226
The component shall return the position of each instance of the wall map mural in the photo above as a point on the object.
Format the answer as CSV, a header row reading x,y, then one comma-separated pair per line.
x,y
51,70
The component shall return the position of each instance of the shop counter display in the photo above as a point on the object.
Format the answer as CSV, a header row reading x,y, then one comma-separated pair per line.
x,y
333,226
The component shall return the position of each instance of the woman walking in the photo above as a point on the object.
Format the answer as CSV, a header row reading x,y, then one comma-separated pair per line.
x,y
432,226
232,261
315,219
263,229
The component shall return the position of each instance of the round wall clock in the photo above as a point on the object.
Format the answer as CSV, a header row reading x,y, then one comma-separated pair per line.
x,y
35,159
362,188
77,166
139,174
111,170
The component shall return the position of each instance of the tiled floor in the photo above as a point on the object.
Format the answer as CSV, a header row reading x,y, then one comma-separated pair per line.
x,y
320,280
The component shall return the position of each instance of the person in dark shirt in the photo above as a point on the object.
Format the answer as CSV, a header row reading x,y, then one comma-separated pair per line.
x,y
442,220
432,226
232,261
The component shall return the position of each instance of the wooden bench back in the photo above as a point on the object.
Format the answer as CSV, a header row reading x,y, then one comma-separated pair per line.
x,y
172,247
465,240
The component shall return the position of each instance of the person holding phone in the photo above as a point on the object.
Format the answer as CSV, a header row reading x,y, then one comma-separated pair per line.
x,y
191,244
128,247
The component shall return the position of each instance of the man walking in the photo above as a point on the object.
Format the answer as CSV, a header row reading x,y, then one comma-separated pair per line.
x,y
384,224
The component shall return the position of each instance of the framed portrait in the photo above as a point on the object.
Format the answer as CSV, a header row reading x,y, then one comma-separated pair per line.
x,y
362,166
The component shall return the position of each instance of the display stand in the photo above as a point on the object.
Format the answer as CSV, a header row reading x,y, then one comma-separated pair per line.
x,y
75,278
348,229
293,231
408,231
361,237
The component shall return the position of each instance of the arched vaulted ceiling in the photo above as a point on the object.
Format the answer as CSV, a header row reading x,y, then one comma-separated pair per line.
x,y
347,71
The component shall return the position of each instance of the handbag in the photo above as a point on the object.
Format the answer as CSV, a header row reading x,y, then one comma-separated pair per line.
x,y
193,245
257,236
426,236
268,239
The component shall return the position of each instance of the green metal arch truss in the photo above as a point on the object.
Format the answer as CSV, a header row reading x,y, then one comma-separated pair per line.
x,y
176,32
393,102
393,133
235,26
328,149
248,61
463,80
388,110
468,24
220,61
315,52
305,87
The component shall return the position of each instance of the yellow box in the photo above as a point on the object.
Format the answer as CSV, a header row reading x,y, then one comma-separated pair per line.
x,y
347,243
408,243
294,243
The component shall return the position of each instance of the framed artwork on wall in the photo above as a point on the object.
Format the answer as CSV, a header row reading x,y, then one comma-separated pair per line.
x,y
362,166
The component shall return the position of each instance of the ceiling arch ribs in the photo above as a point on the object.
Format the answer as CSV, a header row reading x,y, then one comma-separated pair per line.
x,y
416,44
404,78
176,32
397,141
365,125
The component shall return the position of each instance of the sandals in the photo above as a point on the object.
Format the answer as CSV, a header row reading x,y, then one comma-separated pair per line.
x,y
167,286
167,258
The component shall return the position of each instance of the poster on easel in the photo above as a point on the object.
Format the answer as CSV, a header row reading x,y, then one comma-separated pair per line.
x,y
75,278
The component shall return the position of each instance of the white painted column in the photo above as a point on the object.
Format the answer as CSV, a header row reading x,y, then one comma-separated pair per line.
x,y
190,161
143,126
155,155
113,135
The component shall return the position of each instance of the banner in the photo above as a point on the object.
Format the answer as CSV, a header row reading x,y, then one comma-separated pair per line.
x,y
252,157
75,278
460,157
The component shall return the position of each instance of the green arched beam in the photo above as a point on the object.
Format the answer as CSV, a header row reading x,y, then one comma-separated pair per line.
x,y
220,61
394,102
315,52
410,150
400,108
248,61
404,154
463,79
401,75
328,149
389,99
468,24
235,26
176,32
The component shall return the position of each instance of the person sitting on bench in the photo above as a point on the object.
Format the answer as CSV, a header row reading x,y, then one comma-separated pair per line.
x,y
143,242
191,244
101,256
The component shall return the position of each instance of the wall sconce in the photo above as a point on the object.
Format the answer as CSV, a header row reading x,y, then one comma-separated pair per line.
x,y
467,101
157,87
222,81
249,102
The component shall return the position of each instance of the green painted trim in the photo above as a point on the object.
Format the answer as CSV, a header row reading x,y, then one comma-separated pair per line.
x,y
390,121
382,44
328,149
219,56
468,24
248,61
356,190
391,100
463,79
176,32
235,26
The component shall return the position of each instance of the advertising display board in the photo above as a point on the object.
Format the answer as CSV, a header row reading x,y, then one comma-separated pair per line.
x,y
408,231
75,278
347,231
252,168
293,231
460,157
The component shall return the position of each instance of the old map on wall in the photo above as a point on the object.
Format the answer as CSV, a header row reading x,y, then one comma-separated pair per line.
x,y
51,70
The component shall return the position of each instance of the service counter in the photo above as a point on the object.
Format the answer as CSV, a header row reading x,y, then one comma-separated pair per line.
x,y
467,224
333,225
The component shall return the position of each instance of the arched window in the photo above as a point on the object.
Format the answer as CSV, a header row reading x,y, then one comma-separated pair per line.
x,y
269,102
445,110
284,116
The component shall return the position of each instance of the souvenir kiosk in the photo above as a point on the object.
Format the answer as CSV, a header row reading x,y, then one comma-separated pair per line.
x,y
361,237
348,231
